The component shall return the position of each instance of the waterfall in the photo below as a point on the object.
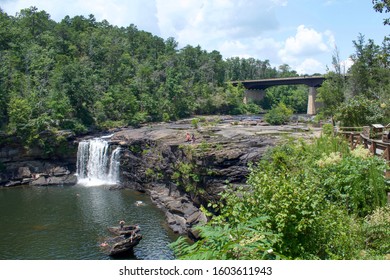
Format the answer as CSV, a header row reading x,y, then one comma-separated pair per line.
x,y
97,162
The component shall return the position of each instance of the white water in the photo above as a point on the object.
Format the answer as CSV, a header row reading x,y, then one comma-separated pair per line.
x,y
97,163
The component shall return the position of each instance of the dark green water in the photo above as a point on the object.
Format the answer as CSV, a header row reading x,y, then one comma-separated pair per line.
x,y
69,223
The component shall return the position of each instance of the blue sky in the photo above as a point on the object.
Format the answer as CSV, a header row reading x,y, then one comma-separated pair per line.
x,y
300,33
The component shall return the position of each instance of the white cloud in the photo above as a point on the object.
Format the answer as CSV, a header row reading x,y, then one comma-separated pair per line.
x,y
298,50
213,22
259,47
345,65
243,28
306,41
280,2
309,66
116,12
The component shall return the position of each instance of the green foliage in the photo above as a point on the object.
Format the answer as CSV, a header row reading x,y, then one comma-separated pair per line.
x,y
360,96
360,111
289,194
195,123
382,6
370,74
242,242
238,69
235,97
377,231
294,97
327,129
314,195
253,108
354,182
166,117
185,176
331,93
139,118
19,115
279,114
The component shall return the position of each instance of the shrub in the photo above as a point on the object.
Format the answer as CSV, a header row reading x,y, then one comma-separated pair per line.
x,y
327,129
279,115
354,181
359,111
252,108
310,226
166,117
310,199
139,118
195,123
377,231
228,242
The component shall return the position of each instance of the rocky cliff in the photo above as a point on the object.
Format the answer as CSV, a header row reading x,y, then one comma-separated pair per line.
x,y
20,166
181,176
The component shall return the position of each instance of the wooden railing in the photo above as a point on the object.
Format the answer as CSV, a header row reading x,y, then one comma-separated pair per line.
x,y
376,146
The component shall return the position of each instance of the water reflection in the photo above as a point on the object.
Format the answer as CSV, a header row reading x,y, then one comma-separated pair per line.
x,y
70,222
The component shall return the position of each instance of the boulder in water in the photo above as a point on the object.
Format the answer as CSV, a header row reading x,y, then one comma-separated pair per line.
x,y
121,245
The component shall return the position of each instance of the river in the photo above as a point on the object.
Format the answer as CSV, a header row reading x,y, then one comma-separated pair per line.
x,y
70,222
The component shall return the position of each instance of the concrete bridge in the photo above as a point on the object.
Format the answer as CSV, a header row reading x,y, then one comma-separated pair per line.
x,y
255,89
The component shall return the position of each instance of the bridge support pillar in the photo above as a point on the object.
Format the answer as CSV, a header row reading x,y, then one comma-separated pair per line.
x,y
253,95
312,105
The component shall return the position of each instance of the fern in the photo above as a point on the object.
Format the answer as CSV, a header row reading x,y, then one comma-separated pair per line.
x,y
226,242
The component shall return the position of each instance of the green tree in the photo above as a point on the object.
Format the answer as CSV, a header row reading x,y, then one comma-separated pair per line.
x,y
279,114
360,111
382,6
331,93
83,74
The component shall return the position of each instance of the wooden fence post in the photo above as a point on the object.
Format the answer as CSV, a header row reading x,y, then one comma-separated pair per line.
x,y
373,147
386,153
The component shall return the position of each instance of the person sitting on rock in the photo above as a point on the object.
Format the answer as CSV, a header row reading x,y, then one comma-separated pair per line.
x,y
188,137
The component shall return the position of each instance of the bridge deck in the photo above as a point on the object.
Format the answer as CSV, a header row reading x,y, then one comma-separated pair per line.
x,y
312,81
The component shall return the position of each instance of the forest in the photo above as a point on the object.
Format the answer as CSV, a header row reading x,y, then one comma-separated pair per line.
x,y
80,75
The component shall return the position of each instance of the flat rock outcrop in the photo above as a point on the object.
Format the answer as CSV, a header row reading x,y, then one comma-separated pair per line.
x,y
181,176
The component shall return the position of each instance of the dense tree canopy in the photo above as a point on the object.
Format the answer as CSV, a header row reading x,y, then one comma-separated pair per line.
x,y
79,74
360,96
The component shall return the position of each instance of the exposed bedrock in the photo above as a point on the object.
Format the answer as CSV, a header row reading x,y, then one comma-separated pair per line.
x,y
21,166
182,176
179,176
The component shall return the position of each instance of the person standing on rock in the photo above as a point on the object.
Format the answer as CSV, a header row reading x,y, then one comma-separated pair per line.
x,y
121,224
193,138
